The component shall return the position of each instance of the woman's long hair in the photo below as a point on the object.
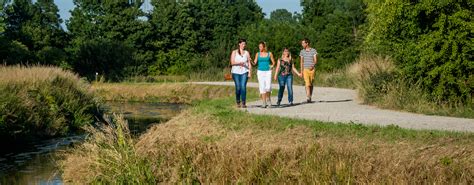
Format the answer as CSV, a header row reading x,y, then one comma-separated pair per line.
x,y
283,53
238,45
264,46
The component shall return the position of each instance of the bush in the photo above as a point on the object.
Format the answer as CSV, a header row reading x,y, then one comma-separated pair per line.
x,y
431,41
379,83
41,102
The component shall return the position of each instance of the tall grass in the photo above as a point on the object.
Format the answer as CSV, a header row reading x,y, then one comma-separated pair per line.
x,y
43,102
379,83
108,156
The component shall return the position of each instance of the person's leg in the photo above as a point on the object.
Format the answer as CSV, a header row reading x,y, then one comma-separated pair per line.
x,y
281,90
307,84
237,83
243,89
289,84
261,87
268,86
312,83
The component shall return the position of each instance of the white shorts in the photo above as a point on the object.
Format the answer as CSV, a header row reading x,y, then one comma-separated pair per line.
x,y
264,81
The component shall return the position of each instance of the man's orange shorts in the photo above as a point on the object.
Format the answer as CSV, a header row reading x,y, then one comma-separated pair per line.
x,y
308,76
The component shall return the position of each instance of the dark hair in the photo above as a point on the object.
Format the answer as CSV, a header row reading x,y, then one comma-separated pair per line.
x,y
240,41
264,45
306,40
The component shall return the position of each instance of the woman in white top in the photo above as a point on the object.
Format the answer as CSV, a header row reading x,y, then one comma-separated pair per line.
x,y
241,72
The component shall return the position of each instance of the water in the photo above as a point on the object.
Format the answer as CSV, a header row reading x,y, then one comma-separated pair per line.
x,y
37,162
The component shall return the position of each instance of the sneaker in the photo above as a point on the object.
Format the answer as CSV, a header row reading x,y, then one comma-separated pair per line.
x,y
264,105
308,100
269,103
291,103
238,105
278,103
243,105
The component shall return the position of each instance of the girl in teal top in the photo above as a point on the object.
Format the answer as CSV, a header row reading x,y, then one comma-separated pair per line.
x,y
264,72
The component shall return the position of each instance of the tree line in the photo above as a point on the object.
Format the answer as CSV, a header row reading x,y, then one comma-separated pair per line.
x,y
432,42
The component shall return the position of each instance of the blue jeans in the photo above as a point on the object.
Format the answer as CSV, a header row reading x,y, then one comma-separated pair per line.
x,y
288,81
240,81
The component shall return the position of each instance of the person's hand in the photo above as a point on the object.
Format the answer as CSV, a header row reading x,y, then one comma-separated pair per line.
x,y
275,78
300,75
249,75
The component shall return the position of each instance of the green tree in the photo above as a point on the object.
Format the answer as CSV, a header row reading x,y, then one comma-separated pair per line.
x,y
282,15
112,21
197,34
335,29
36,26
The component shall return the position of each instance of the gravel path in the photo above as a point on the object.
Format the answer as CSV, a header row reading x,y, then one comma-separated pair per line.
x,y
340,105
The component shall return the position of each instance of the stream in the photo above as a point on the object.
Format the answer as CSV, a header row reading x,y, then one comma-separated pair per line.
x,y
37,162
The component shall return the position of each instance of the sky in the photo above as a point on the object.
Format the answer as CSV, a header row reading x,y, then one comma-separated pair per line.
x,y
267,5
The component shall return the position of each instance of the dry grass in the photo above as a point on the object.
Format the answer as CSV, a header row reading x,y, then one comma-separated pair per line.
x,y
162,92
35,74
195,148
214,144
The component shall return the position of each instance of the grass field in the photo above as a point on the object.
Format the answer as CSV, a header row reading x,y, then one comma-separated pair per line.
x,y
212,142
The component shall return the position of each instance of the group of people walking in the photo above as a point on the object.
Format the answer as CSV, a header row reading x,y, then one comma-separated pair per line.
x,y
242,63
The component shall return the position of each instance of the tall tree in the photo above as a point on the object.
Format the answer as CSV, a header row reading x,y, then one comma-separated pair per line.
x,y
197,29
282,15
336,26
35,26
117,22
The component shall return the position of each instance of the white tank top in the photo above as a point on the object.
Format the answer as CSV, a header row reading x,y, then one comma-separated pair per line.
x,y
241,59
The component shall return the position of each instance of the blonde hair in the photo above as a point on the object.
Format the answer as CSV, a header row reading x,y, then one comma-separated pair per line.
x,y
264,46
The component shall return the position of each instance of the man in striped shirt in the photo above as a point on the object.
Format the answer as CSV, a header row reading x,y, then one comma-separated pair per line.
x,y
308,59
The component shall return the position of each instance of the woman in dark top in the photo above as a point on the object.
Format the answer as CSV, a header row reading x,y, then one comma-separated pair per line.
x,y
284,73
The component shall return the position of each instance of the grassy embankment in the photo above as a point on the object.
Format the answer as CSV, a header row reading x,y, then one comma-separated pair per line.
x,y
42,102
214,142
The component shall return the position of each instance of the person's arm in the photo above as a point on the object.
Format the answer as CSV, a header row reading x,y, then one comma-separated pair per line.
x,y
277,69
302,64
273,60
232,56
255,61
315,59
294,69
249,64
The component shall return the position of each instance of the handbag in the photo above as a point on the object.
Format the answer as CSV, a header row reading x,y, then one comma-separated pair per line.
x,y
227,74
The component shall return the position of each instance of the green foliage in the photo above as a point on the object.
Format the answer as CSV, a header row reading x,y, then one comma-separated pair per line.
x,y
282,15
105,57
116,23
36,26
276,34
334,30
192,35
432,42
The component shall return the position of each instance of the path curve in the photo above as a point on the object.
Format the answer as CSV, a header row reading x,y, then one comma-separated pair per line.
x,y
340,105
